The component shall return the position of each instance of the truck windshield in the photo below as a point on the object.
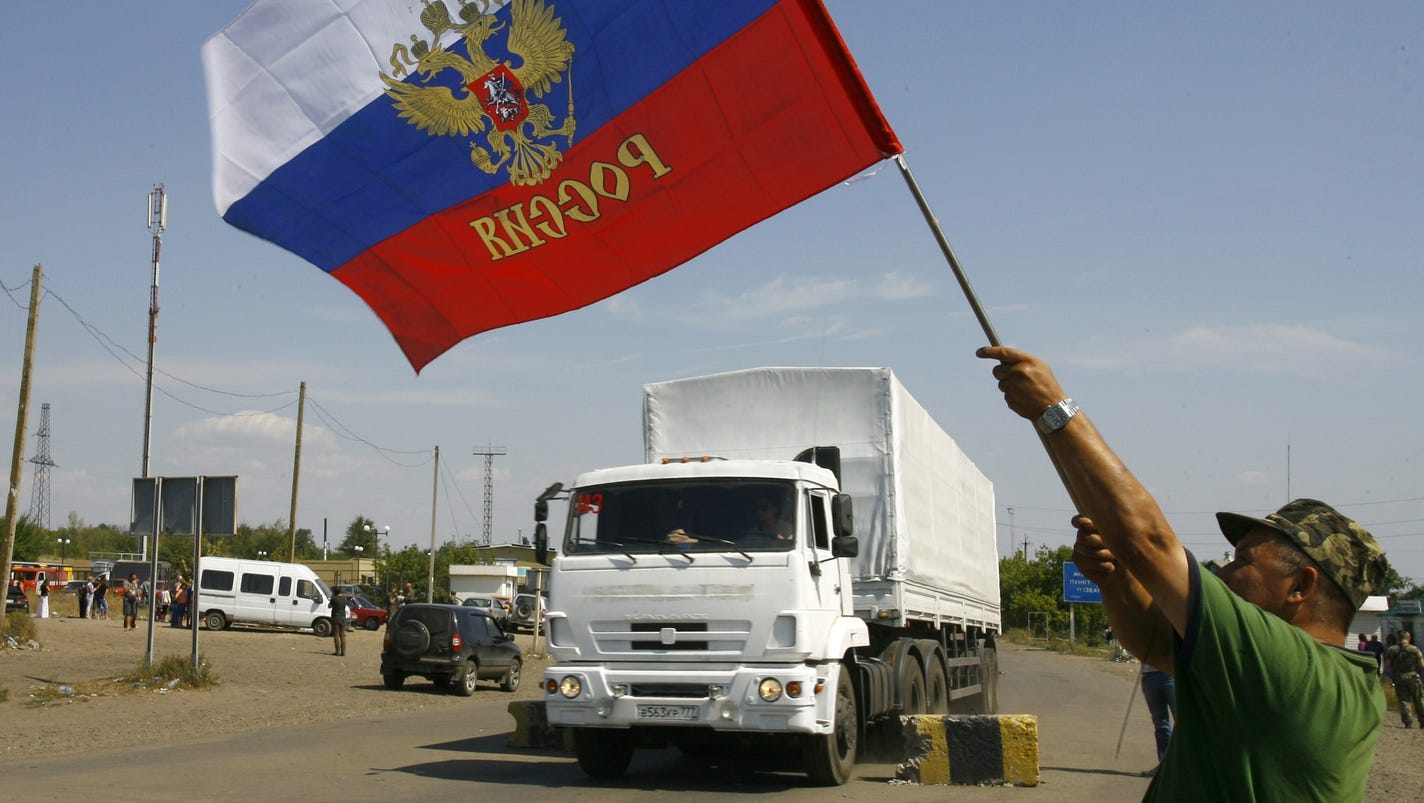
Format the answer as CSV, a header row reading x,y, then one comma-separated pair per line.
x,y
684,516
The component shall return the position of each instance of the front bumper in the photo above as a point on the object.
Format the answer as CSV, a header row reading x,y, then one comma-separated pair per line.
x,y
723,698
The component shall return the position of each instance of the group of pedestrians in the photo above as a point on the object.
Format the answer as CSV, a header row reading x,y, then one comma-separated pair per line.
x,y
93,598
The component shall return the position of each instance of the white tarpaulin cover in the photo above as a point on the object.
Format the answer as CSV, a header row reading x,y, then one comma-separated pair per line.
x,y
923,511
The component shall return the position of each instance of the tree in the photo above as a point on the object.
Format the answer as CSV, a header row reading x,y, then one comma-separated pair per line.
x,y
31,540
1036,586
357,535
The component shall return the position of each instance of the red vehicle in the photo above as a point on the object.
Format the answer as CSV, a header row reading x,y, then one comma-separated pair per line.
x,y
363,614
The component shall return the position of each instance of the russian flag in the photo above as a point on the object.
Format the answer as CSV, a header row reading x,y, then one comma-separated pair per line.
x,y
466,166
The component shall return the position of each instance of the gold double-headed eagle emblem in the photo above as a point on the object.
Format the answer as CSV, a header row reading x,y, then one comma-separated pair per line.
x,y
490,94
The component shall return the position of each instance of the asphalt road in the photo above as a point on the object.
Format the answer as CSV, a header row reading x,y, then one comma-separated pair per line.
x,y
461,752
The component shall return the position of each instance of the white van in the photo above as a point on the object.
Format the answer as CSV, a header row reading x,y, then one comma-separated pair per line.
x,y
262,592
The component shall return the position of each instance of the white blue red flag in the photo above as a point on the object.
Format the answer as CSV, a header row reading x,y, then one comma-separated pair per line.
x,y
472,164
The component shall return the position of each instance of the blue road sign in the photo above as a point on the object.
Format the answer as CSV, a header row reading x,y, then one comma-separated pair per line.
x,y
1077,588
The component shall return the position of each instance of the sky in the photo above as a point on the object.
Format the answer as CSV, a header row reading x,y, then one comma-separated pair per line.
x,y
1207,218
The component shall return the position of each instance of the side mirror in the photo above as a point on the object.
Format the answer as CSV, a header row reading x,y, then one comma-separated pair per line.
x,y
541,543
842,515
541,510
845,546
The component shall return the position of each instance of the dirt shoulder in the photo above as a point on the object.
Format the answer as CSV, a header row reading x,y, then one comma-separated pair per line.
x,y
266,678
272,678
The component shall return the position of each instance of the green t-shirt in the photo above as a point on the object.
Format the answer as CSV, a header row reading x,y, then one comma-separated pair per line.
x,y
1265,712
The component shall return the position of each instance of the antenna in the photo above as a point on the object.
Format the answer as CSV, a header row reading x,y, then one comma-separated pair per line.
x,y
157,222
489,453
39,495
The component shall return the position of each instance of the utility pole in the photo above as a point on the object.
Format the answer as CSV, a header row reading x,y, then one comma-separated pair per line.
x,y
1012,535
434,502
296,474
157,222
489,453
12,499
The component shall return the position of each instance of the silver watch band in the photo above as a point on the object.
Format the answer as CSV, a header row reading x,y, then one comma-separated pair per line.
x,y
1056,416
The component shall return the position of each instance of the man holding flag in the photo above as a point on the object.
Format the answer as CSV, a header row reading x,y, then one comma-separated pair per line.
x,y
1271,706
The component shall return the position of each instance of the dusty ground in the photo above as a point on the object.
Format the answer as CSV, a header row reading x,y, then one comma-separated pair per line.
x,y
271,677
266,678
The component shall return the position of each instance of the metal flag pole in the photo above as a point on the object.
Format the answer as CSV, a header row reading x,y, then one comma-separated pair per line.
x,y
973,299
948,252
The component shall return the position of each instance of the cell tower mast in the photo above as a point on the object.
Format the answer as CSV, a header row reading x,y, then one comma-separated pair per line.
x,y
39,495
489,453
157,222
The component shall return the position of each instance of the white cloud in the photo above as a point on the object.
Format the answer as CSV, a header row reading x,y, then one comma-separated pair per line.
x,y
1266,348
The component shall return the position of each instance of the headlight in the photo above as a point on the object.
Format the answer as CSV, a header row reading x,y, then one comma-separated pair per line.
x,y
570,686
770,690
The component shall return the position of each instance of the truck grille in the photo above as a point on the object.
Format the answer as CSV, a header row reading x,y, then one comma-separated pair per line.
x,y
614,638
686,691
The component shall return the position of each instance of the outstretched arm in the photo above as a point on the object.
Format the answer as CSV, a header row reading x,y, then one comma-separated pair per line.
x,y
1137,622
1126,516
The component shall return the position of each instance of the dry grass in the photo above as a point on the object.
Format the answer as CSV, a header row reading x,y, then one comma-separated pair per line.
x,y
171,673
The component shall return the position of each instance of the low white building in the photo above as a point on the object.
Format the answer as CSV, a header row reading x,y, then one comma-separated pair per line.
x,y
467,580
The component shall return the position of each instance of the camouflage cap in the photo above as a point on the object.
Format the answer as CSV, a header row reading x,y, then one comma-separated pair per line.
x,y
1344,551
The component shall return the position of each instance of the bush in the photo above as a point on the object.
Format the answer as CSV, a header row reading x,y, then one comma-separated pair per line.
x,y
172,668
19,625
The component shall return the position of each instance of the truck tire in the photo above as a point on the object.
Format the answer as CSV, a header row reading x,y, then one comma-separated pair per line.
x,y
393,680
215,620
830,757
912,687
989,680
603,753
936,682
321,628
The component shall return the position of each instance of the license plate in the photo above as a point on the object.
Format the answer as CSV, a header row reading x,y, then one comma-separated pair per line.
x,y
688,712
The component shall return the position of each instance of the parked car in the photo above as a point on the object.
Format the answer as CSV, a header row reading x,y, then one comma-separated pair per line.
x,y
522,617
15,599
490,605
364,614
356,590
450,645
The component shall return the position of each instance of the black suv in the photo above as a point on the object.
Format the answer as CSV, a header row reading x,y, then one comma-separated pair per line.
x,y
15,600
449,645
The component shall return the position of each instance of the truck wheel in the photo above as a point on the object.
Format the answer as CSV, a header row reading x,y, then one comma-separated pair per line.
x,y
394,680
936,683
603,753
989,680
321,628
511,678
214,620
831,757
912,687
467,677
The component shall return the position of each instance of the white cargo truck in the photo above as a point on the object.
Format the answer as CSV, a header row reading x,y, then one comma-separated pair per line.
x,y
724,593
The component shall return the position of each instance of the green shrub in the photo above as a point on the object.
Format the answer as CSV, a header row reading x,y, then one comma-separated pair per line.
x,y
21,626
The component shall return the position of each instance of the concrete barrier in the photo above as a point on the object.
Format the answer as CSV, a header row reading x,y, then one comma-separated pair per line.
x,y
532,728
996,749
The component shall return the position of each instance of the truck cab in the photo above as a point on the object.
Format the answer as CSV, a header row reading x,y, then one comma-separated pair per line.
x,y
687,591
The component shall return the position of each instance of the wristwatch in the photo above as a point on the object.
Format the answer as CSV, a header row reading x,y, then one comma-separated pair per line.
x,y
1056,416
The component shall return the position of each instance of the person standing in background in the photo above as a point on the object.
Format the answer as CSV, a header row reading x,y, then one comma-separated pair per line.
x,y
1159,689
131,603
1402,663
42,588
